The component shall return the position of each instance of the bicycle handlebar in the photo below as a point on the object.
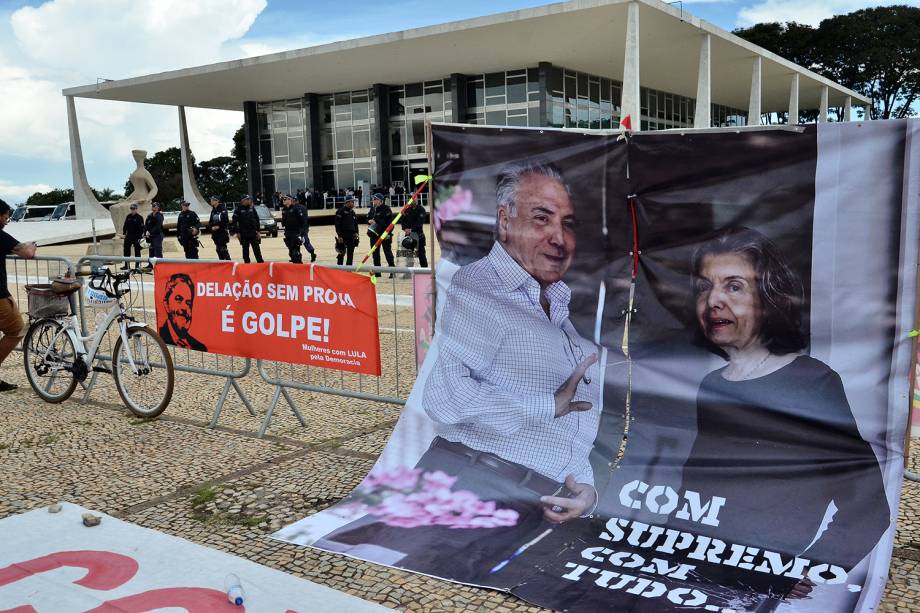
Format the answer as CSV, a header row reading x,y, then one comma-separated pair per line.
x,y
109,283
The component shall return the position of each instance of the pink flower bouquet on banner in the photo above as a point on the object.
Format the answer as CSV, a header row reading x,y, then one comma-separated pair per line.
x,y
460,201
409,498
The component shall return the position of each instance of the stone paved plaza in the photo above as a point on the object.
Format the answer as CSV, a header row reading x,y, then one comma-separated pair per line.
x,y
227,489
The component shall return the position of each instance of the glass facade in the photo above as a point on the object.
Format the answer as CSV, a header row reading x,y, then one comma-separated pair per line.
x,y
282,147
348,139
726,116
348,125
410,105
510,98
580,100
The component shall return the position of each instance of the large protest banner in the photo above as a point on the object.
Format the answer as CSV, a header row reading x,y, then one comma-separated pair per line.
x,y
286,312
52,563
670,371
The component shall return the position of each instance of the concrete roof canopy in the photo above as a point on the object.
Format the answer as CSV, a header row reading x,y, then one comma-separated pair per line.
x,y
583,35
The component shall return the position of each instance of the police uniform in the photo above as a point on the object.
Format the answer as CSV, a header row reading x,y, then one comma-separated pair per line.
x,y
293,220
246,220
379,218
346,229
219,222
414,221
187,227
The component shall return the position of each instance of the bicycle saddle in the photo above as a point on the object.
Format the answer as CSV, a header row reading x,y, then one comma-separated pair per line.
x,y
64,286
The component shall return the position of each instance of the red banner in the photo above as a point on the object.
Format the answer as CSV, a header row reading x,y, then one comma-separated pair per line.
x,y
279,311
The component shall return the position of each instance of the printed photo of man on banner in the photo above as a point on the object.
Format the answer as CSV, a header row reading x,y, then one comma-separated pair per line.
x,y
647,390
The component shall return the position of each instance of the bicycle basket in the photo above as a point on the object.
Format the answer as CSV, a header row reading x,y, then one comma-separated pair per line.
x,y
44,302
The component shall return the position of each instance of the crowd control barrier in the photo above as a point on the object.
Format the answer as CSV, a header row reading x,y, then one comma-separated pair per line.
x,y
396,310
142,308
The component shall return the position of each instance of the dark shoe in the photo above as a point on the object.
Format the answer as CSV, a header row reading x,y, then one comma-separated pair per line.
x,y
312,256
126,267
7,387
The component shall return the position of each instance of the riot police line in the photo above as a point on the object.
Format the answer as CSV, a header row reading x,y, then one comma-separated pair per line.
x,y
246,225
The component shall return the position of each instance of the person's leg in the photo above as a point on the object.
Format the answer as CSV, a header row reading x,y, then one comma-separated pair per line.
x,y
245,244
310,249
126,251
376,257
387,247
257,250
422,255
349,254
11,325
222,252
159,244
137,249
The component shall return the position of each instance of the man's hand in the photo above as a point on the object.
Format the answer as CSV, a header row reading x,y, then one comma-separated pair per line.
x,y
801,590
25,250
566,391
582,500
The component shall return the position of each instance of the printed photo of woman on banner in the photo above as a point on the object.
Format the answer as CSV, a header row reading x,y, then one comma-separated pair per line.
x,y
645,391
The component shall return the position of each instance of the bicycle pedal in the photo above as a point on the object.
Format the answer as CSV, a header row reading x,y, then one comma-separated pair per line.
x,y
104,369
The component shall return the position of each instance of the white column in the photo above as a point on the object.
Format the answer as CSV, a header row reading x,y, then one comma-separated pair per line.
x,y
754,104
847,108
867,112
190,191
794,100
822,110
703,116
85,201
630,98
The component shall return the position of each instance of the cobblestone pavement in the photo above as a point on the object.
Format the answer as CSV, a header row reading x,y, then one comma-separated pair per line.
x,y
226,489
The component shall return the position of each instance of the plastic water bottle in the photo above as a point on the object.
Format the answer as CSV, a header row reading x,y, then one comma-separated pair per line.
x,y
234,589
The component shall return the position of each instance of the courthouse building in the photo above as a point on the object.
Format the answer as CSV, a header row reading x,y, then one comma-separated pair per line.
x,y
352,112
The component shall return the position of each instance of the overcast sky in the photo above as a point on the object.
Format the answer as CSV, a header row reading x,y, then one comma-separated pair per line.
x,y
46,46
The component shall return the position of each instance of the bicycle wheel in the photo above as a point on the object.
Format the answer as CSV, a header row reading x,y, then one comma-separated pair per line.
x,y
49,359
146,389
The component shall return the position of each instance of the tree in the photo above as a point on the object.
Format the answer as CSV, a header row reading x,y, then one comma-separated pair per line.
x,y
166,168
222,176
52,198
875,52
239,145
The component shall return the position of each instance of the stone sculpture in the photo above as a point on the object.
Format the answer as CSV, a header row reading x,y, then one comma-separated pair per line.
x,y
143,192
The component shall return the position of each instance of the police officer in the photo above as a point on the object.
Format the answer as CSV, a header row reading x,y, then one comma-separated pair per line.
x,y
133,231
153,227
413,221
346,230
293,220
379,217
187,228
218,222
246,222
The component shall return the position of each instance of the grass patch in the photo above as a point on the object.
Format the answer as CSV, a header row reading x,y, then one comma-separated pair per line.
x,y
204,495
255,520
4,446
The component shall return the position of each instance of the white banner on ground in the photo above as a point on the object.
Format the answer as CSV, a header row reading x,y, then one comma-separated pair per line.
x,y
52,563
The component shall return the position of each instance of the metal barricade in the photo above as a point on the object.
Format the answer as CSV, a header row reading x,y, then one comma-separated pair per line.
x,y
142,308
396,310
397,329
40,269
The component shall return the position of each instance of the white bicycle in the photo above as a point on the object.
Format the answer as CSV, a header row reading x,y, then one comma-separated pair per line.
x,y
57,357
